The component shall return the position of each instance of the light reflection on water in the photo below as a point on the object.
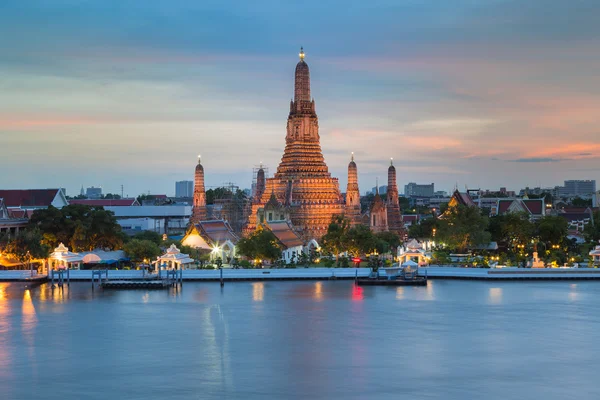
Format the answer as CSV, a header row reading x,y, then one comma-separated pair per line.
x,y
329,339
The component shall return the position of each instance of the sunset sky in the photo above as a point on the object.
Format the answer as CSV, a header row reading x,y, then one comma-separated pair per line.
x,y
478,93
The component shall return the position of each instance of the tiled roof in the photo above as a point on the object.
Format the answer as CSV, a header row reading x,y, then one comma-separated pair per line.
x,y
535,206
217,231
503,206
285,234
105,202
575,216
28,197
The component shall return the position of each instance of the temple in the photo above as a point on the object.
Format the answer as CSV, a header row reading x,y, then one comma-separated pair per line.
x,y
302,182
199,204
394,216
352,207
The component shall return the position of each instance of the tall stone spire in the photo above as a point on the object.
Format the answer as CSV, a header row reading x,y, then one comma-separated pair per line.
x,y
352,208
199,207
302,81
393,204
260,182
302,181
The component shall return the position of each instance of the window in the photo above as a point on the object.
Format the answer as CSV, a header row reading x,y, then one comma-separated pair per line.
x,y
270,218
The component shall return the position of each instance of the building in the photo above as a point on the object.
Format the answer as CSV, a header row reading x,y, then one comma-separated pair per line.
x,y
199,203
33,199
93,193
381,189
184,189
394,216
418,190
302,181
535,208
11,222
168,220
126,202
215,236
352,206
378,215
579,188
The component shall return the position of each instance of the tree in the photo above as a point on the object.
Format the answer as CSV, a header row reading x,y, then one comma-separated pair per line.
x,y
24,244
552,229
423,230
591,231
579,202
463,227
138,250
149,235
513,229
391,239
261,244
80,226
335,241
360,240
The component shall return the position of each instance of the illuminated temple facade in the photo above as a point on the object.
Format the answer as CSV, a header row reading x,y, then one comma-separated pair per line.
x,y
302,183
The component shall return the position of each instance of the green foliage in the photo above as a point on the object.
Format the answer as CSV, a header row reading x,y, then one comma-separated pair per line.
x,y
245,264
24,244
359,240
424,230
335,240
441,257
512,229
80,226
149,235
579,202
261,244
591,231
140,249
463,227
390,239
223,193
327,262
552,229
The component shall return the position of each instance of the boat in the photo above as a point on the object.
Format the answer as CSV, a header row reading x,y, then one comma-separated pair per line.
x,y
401,275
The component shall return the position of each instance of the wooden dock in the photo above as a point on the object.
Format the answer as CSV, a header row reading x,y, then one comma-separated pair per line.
x,y
138,284
418,281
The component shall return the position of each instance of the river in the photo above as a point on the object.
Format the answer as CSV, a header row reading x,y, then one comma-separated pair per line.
x,y
302,340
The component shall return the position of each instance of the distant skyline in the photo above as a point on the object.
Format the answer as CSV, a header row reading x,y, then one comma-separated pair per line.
x,y
483,94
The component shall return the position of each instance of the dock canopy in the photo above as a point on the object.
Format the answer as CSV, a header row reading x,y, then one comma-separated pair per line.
x,y
173,258
62,258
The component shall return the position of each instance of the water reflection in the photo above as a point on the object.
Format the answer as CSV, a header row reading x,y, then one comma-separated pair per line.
x,y
495,296
573,294
258,291
357,293
399,293
29,320
318,294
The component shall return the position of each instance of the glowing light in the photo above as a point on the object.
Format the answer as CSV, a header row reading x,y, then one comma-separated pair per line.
x,y
318,294
357,293
258,291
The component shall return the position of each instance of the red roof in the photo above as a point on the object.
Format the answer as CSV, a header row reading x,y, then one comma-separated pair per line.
x,y
503,206
105,202
217,231
285,234
535,206
29,197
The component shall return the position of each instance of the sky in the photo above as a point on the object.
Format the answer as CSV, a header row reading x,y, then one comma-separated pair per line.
x,y
477,93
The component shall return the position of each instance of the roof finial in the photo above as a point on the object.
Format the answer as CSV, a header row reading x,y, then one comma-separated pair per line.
x,y
377,186
261,165
301,53
391,160
199,159
352,157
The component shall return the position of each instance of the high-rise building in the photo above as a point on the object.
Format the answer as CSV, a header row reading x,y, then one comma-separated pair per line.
x,y
416,190
302,182
93,193
184,189
581,188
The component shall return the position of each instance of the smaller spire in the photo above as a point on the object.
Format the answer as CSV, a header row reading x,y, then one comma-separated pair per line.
x,y
391,160
352,157
377,186
261,165
199,159
301,54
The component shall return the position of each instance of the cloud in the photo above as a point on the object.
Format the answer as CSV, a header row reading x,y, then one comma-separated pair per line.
x,y
537,160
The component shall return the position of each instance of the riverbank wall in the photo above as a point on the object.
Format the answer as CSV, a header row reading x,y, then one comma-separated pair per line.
x,y
490,274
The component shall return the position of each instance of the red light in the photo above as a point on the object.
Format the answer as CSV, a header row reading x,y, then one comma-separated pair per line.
x,y
356,259
357,293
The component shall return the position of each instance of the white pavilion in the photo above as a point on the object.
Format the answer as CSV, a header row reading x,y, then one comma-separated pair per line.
x,y
172,259
62,258
413,250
